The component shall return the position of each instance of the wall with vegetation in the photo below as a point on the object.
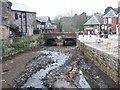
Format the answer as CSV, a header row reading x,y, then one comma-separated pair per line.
x,y
19,44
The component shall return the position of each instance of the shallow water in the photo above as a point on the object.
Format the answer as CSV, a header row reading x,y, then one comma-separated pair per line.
x,y
36,79
83,83
59,58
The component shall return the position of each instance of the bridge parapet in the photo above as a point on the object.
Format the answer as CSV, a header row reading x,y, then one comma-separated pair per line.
x,y
62,38
59,34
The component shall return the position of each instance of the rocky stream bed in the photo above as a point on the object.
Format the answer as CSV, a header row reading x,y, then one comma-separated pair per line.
x,y
62,67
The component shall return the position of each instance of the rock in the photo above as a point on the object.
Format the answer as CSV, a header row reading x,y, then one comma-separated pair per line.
x,y
6,70
63,84
11,61
97,77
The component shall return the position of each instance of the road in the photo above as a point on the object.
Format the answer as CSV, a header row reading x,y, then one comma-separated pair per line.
x,y
109,45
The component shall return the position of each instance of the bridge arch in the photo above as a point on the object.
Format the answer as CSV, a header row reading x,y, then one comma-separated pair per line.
x,y
69,42
50,42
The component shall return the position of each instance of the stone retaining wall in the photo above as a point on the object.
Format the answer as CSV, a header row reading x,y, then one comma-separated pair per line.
x,y
11,52
20,44
106,62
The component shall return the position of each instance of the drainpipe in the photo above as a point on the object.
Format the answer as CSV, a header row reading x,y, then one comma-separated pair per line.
x,y
21,25
25,23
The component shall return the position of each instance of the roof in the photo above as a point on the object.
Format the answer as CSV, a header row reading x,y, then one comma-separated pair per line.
x,y
94,20
116,10
23,11
111,14
21,7
47,21
43,18
48,26
4,0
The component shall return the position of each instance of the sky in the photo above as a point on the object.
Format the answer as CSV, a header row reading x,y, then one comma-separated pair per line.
x,y
53,8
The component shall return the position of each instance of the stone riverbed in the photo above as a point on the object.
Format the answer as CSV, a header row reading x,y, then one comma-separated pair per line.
x,y
62,67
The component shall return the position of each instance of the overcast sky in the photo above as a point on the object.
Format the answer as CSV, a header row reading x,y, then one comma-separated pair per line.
x,y
56,7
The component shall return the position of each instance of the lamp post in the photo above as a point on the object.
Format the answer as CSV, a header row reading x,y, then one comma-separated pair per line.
x,y
102,30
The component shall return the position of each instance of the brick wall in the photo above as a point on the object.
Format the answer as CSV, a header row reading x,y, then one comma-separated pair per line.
x,y
114,23
92,28
107,63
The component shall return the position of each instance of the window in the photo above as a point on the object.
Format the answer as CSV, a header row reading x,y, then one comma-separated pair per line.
x,y
92,25
16,15
109,20
105,20
20,16
24,16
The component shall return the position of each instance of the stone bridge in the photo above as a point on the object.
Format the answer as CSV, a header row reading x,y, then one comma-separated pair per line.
x,y
59,38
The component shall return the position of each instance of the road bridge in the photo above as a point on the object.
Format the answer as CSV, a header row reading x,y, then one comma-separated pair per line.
x,y
59,38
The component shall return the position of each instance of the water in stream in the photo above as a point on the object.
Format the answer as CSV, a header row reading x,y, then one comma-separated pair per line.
x,y
36,79
59,58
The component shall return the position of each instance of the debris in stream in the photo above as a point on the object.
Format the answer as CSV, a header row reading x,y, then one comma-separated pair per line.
x,y
67,72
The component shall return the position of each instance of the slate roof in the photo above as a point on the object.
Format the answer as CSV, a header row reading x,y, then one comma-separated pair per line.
x,y
94,20
116,10
111,14
4,0
43,18
21,7
47,21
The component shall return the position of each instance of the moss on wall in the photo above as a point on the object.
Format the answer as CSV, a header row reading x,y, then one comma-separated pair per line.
x,y
19,44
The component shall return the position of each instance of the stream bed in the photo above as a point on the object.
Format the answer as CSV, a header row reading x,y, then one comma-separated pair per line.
x,y
62,67
36,79
59,59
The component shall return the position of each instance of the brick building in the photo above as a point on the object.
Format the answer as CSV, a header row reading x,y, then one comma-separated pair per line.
x,y
111,21
119,17
54,27
92,26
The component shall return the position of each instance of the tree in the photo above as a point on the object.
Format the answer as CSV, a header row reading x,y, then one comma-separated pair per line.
x,y
78,21
83,19
72,24
59,26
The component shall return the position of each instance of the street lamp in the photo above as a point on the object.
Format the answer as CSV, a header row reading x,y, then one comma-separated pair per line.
x,y
102,26
102,30
104,33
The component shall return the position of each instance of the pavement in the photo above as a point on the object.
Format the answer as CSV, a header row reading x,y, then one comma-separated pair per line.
x,y
109,45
